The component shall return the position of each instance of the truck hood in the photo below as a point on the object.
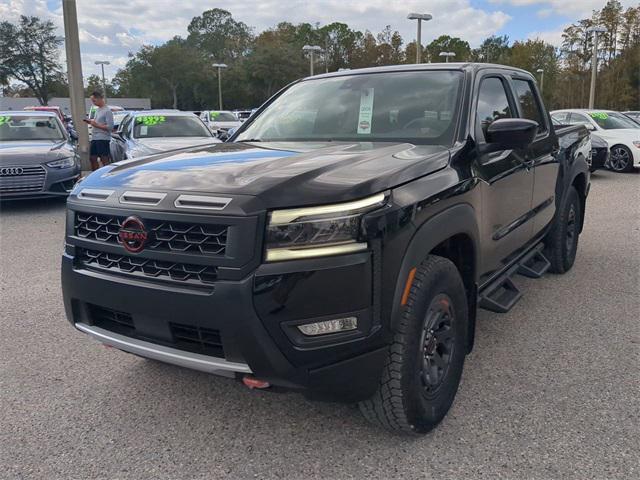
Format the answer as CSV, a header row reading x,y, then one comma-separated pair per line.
x,y
33,152
280,174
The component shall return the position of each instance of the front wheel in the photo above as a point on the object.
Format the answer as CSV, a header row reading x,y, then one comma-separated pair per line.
x,y
621,159
424,362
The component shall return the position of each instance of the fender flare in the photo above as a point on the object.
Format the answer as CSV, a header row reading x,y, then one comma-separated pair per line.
x,y
455,220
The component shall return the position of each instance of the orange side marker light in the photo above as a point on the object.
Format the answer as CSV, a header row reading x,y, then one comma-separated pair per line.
x,y
407,286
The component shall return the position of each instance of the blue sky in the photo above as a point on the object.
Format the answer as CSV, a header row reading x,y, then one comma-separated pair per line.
x,y
110,29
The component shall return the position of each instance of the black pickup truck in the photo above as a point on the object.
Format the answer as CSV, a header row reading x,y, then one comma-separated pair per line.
x,y
341,242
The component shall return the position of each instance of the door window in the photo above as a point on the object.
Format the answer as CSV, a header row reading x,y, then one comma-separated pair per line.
x,y
493,103
529,103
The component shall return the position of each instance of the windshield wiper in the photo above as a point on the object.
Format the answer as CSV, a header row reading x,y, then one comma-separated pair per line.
x,y
250,140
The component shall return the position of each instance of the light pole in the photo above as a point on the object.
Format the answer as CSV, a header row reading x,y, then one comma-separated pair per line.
x,y
594,63
312,49
420,17
219,66
102,63
541,72
76,86
447,55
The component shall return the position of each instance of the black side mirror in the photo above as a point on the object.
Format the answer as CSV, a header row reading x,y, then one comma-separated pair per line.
x,y
510,134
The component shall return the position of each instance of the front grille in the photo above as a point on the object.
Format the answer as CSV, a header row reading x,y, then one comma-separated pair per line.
x,y
30,180
189,338
178,237
112,320
147,268
197,339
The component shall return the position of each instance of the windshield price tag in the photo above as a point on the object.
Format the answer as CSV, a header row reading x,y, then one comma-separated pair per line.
x,y
599,115
366,111
5,119
150,120
215,115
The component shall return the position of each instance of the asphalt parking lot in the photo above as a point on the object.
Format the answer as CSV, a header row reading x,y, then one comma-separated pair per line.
x,y
551,390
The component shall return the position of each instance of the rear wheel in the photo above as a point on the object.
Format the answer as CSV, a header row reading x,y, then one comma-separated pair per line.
x,y
561,243
425,360
621,159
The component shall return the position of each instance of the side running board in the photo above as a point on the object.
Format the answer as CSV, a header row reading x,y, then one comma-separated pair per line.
x,y
502,294
534,264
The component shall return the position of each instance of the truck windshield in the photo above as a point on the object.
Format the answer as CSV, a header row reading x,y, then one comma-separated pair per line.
x,y
154,126
612,120
24,127
417,107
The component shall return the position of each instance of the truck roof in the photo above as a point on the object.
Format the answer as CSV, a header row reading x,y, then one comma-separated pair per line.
x,y
462,66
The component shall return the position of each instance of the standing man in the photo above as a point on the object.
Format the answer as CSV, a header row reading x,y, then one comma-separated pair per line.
x,y
101,135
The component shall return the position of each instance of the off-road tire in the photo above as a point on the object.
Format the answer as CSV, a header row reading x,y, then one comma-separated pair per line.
x,y
402,402
561,243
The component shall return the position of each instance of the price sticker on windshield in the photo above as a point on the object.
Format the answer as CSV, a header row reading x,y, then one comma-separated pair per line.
x,y
4,119
599,115
366,111
150,120
215,115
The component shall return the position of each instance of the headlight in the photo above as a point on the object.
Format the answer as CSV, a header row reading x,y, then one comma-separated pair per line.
x,y
637,143
318,231
62,163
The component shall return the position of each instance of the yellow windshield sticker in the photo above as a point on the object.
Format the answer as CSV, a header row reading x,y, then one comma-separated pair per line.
x,y
150,120
214,115
599,115
5,119
366,111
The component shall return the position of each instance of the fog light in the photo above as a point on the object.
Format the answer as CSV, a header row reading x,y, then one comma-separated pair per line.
x,y
329,326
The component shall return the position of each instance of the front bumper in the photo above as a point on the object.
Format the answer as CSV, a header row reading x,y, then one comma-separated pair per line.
x,y
256,318
52,183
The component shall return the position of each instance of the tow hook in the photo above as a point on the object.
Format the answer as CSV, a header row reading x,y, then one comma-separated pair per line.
x,y
253,382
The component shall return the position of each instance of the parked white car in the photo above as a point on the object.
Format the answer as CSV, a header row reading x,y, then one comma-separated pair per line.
x,y
220,121
620,132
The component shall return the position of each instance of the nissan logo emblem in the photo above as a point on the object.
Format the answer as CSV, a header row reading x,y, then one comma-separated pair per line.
x,y
11,171
133,235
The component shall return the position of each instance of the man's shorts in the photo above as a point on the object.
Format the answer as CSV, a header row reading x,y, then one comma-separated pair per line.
x,y
99,148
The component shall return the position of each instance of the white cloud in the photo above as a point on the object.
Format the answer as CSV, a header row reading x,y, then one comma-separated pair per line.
x,y
109,30
571,8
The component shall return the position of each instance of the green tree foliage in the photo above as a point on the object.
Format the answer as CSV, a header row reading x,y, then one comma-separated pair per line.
x,y
29,54
445,43
492,50
179,73
219,36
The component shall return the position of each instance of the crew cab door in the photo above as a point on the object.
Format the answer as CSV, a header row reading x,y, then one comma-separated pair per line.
x,y
541,154
506,179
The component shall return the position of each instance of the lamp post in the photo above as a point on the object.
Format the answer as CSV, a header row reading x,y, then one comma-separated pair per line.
x,y
419,17
219,66
594,63
541,72
312,49
447,55
102,63
74,73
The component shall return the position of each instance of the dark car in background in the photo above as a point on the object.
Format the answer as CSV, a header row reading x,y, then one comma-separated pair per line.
x,y
37,156
599,153
154,131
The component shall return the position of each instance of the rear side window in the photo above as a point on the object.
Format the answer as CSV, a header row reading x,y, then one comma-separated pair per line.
x,y
529,104
493,103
